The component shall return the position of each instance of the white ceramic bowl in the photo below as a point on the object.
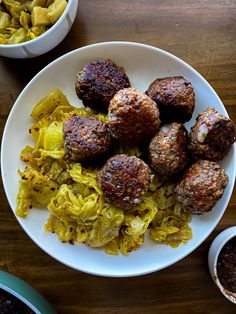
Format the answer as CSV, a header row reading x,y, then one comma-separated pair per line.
x,y
215,249
143,64
46,41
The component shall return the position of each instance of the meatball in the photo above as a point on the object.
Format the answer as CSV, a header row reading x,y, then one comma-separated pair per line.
x,y
212,135
133,116
201,187
98,82
175,98
85,138
168,149
124,180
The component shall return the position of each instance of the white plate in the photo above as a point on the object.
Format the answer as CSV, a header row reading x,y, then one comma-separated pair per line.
x,y
143,64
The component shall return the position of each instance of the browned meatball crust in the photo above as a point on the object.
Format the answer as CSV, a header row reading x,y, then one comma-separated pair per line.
x,y
202,185
168,149
212,135
85,138
124,180
174,97
98,82
133,116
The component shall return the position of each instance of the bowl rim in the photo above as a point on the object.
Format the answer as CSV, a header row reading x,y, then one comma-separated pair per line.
x,y
42,36
219,246
17,295
177,59
25,293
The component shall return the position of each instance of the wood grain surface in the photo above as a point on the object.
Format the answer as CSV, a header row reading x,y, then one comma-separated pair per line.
x,y
203,33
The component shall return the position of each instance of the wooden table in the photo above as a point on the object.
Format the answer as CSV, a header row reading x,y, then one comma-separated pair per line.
x,y
201,32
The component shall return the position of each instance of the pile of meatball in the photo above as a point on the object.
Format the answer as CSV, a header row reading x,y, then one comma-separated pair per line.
x,y
154,121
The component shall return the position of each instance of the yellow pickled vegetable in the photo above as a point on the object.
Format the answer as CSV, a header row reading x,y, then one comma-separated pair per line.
x,y
36,3
49,103
3,40
15,23
39,17
38,30
18,36
48,3
5,20
56,9
25,20
14,7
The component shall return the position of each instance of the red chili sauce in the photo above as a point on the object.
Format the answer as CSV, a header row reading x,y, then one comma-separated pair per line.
x,y
226,265
9,304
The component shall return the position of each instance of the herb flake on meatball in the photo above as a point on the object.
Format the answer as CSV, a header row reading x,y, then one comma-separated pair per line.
x,y
98,82
201,187
168,149
133,116
124,180
85,138
212,135
174,97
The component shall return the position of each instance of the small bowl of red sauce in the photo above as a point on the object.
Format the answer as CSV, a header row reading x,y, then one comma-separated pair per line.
x,y
222,262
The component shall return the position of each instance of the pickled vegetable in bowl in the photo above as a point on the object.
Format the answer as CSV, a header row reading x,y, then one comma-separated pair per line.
x,y
26,20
